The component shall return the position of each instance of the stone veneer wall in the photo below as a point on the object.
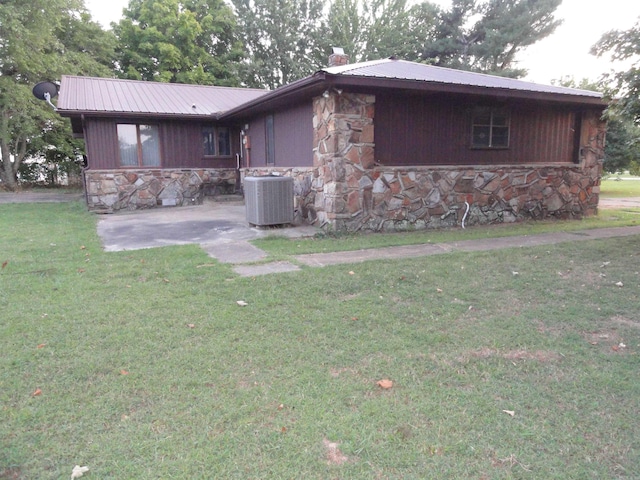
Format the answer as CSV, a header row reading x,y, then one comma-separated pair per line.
x,y
112,190
351,193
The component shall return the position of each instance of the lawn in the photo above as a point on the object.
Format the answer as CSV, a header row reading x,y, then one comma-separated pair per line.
x,y
509,364
613,188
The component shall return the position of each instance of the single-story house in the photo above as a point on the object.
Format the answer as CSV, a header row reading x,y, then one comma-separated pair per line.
x,y
379,145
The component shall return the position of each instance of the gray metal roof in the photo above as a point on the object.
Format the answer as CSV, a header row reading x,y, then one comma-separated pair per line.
x,y
419,72
108,95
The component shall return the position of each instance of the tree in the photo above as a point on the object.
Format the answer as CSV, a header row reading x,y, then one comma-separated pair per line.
x,y
40,40
288,39
182,41
622,147
624,45
283,40
380,28
487,36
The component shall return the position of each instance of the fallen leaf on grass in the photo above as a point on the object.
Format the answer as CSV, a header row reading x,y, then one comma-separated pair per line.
x,y
83,247
37,393
124,372
284,430
439,290
42,345
352,273
510,412
78,471
242,303
385,383
4,264
191,325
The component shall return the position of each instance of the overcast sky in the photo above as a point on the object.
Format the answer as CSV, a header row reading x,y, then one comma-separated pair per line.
x,y
566,52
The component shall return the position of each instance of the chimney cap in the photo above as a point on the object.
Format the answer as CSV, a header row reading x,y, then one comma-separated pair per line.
x,y
337,50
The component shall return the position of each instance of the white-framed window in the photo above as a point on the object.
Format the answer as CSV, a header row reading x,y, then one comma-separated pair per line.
x,y
216,141
490,128
139,145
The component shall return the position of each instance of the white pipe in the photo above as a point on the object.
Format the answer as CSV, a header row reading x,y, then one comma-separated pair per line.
x,y
465,213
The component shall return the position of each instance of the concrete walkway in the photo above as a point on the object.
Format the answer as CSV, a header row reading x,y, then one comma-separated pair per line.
x,y
413,251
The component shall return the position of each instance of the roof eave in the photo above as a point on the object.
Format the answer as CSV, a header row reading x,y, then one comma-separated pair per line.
x,y
283,95
438,87
139,115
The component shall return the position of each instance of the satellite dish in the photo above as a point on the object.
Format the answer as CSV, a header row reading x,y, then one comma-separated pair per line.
x,y
46,91
41,90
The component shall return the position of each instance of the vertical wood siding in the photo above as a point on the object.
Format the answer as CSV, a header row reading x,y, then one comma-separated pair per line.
x,y
293,135
181,144
257,134
293,131
437,131
101,140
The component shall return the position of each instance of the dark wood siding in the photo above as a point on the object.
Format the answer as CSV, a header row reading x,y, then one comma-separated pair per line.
x,y
181,144
257,138
437,131
293,135
101,140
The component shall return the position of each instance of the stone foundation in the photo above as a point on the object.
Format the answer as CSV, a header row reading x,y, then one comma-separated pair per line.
x,y
391,199
113,190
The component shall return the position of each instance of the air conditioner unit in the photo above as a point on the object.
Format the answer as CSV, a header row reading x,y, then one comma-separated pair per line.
x,y
269,200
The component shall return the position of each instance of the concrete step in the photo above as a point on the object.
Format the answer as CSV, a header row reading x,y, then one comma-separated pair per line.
x,y
226,198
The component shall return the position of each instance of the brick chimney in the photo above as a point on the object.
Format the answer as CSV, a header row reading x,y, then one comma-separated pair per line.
x,y
338,57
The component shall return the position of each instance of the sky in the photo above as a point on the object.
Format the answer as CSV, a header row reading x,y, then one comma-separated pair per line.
x,y
564,53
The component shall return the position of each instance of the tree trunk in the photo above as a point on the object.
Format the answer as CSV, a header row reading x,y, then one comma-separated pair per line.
x,y
9,169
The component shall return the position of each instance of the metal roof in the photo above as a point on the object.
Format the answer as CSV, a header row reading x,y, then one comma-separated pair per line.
x,y
111,96
107,96
412,71
400,75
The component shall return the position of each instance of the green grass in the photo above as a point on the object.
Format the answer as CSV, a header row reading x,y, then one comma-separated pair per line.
x,y
612,188
281,247
132,391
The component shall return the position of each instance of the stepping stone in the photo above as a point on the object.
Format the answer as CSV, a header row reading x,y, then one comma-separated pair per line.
x,y
265,269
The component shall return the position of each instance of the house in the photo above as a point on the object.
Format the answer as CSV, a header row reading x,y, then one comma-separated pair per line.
x,y
381,145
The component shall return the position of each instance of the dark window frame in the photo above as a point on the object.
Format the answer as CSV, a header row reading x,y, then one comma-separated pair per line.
x,y
490,128
140,153
212,141
270,144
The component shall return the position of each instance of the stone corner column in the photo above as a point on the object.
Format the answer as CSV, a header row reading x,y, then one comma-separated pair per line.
x,y
343,148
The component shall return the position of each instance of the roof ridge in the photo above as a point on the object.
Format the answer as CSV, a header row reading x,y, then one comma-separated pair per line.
x,y
354,66
166,84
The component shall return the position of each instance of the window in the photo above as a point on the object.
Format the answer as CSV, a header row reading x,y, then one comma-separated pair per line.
x,y
490,128
216,141
270,141
139,145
